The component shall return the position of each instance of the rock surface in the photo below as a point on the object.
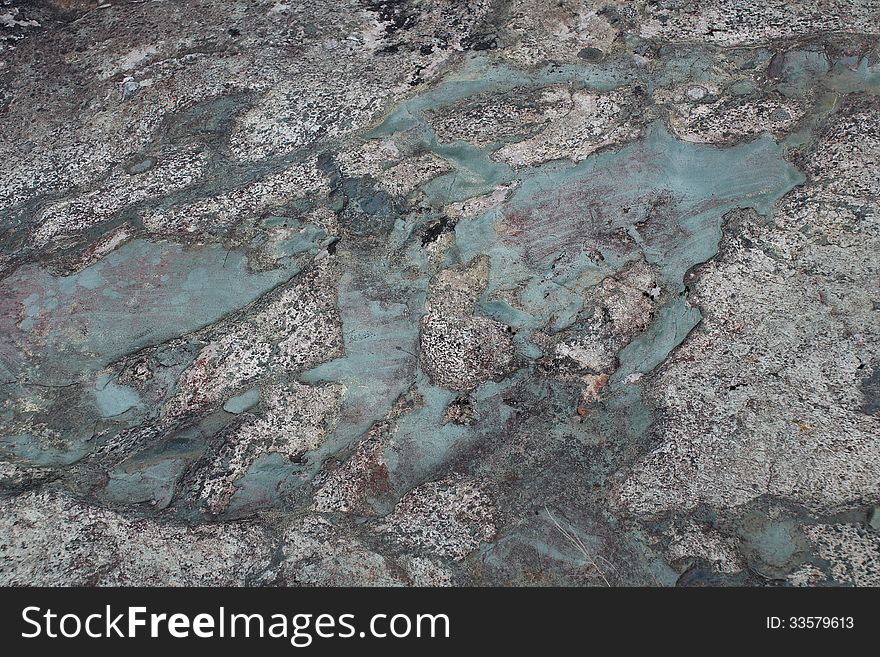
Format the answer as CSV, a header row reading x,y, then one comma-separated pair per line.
x,y
498,292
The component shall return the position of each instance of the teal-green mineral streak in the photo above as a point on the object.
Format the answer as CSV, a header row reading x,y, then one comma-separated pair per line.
x,y
143,293
474,171
672,325
303,238
381,341
152,475
477,76
243,402
113,399
423,441
30,449
270,476
152,484
810,74
808,71
711,182
703,182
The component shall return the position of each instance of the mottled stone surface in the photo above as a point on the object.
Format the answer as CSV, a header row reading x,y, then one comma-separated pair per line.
x,y
438,293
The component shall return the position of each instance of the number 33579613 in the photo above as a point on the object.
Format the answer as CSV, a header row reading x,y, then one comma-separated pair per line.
x,y
811,622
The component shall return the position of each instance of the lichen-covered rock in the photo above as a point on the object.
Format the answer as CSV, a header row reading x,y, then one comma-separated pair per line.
x,y
765,397
854,554
449,518
294,421
55,540
460,350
